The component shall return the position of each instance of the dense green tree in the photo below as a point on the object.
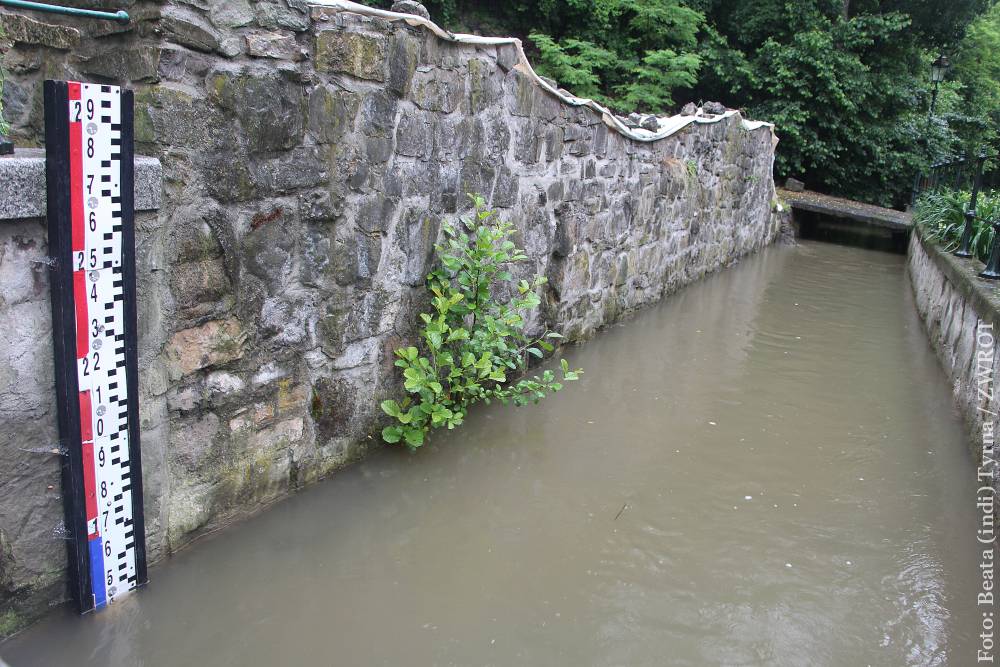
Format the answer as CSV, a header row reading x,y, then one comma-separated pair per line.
x,y
976,109
628,54
845,81
936,24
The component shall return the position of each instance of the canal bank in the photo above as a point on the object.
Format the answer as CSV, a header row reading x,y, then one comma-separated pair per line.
x,y
759,470
956,305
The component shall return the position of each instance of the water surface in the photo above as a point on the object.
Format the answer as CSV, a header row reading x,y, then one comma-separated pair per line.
x,y
766,469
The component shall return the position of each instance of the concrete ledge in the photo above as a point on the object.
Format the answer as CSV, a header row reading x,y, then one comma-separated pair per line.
x,y
22,184
835,207
963,275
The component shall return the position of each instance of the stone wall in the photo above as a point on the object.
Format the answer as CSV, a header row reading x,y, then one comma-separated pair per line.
x,y
309,157
952,301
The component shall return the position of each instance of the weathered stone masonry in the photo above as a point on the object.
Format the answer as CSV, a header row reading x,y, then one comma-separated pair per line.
x,y
953,301
309,156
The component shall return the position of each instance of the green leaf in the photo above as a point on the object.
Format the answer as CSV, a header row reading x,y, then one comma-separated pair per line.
x,y
390,408
414,437
392,434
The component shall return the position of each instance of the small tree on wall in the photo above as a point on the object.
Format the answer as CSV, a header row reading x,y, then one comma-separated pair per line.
x,y
472,345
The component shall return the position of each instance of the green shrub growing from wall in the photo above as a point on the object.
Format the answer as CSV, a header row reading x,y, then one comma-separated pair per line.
x,y
472,345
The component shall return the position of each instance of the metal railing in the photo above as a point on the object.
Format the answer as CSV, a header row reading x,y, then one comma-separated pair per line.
x,y
952,173
955,174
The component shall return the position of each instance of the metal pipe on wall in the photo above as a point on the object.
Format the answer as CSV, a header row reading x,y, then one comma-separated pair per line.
x,y
121,16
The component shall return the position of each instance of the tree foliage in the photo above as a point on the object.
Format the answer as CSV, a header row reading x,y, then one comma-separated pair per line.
x,y
473,344
976,104
631,54
575,64
847,84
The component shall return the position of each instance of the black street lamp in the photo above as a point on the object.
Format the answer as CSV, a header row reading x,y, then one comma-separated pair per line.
x,y
939,69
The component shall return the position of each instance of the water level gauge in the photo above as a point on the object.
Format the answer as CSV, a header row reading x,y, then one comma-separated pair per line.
x,y
91,228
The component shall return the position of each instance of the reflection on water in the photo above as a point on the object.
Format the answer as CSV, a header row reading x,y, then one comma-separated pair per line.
x,y
764,470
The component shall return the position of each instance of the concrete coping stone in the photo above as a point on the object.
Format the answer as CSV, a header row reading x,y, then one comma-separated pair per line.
x,y
23,192
963,274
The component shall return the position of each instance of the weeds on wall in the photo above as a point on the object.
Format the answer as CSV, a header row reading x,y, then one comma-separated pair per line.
x,y
942,215
473,346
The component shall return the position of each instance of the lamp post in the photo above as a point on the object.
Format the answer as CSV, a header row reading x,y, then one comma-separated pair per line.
x,y
939,69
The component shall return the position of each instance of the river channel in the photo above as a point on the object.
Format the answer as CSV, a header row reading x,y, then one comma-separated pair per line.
x,y
764,469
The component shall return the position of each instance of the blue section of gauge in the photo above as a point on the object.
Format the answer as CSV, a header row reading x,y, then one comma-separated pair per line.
x,y
97,573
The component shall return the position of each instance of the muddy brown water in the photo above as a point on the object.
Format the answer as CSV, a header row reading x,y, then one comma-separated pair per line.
x,y
765,469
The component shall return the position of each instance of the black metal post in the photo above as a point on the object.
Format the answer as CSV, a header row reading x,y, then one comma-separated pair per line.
x,y
965,249
959,168
992,271
6,146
